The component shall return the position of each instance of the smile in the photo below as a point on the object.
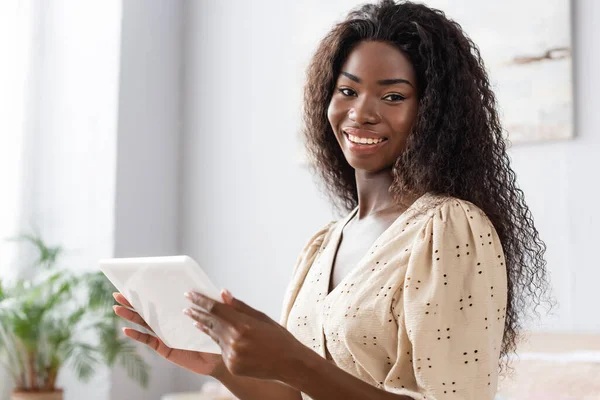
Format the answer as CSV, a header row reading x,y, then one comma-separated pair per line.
x,y
363,140
364,146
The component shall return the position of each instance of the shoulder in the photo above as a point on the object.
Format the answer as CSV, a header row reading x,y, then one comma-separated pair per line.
x,y
444,213
457,232
320,236
314,244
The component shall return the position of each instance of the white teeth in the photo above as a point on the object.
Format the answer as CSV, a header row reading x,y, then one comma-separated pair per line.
x,y
359,140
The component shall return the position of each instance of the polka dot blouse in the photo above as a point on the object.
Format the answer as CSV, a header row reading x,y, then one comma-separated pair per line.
x,y
422,314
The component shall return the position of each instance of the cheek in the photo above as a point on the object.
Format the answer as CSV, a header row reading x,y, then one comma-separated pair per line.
x,y
404,121
334,113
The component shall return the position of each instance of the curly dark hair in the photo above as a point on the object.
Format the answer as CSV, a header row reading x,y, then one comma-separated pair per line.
x,y
456,147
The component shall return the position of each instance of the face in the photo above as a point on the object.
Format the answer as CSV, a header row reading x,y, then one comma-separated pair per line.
x,y
374,105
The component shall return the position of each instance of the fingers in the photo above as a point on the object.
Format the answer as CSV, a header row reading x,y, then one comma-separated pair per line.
x,y
144,338
202,301
121,299
203,318
210,332
213,307
207,323
131,316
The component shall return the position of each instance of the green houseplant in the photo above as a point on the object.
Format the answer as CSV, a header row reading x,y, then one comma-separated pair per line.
x,y
57,319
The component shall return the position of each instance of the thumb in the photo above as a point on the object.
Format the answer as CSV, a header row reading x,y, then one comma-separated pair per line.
x,y
242,307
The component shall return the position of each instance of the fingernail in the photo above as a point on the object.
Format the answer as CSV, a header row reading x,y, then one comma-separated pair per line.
x,y
227,293
188,295
115,308
187,311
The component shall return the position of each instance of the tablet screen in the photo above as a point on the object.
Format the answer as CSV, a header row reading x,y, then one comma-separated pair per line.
x,y
155,286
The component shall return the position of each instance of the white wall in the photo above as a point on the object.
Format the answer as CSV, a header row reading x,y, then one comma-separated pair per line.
x,y
248,207
146,206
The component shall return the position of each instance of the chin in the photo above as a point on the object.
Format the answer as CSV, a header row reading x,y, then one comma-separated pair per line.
x,y
367,165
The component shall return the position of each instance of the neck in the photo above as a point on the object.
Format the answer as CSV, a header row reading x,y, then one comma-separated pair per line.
x,y
373,192
374,195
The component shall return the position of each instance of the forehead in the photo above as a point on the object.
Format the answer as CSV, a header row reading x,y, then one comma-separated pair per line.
x,y
372,61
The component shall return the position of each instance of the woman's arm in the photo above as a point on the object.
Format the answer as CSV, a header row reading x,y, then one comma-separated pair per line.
x,y
264,353
255,389
313,375
322,380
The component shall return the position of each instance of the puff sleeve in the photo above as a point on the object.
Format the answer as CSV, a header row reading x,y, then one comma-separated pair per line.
x,y
453,304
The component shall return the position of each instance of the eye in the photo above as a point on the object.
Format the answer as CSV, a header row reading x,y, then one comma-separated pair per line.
x,y
395,97
346,91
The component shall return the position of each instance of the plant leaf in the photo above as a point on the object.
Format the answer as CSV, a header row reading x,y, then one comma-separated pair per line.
x,y
100,291
83,358
47,255
137,368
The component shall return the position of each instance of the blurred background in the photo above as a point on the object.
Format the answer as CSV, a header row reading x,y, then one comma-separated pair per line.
x,y
162,127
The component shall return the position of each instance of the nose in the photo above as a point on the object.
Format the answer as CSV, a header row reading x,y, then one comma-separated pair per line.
x,y
364,112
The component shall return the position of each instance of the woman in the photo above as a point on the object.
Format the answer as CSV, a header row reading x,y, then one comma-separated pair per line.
x,y
420,290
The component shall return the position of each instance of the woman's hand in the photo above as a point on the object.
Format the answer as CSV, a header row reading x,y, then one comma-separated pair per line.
x,y
253,345
200,363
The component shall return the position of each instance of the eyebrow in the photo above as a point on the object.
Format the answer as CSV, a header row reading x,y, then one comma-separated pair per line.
x,y
383,82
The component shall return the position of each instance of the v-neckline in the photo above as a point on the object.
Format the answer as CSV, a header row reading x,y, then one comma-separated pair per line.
x,y
337,240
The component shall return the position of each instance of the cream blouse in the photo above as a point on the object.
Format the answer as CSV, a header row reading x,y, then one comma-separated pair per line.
x,y
422,314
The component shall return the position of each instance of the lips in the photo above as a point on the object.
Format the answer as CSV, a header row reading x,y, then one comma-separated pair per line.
x,y
363,133
366,144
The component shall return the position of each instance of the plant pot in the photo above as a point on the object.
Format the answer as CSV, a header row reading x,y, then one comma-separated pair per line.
x,y
54,395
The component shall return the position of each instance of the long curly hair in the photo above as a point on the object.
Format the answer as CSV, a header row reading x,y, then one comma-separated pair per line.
x,y
456,147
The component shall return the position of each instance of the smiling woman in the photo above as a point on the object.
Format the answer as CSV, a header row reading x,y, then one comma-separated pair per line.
x,y
419,291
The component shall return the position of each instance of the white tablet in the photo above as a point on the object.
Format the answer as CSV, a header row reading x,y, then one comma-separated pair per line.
x,y
155,286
